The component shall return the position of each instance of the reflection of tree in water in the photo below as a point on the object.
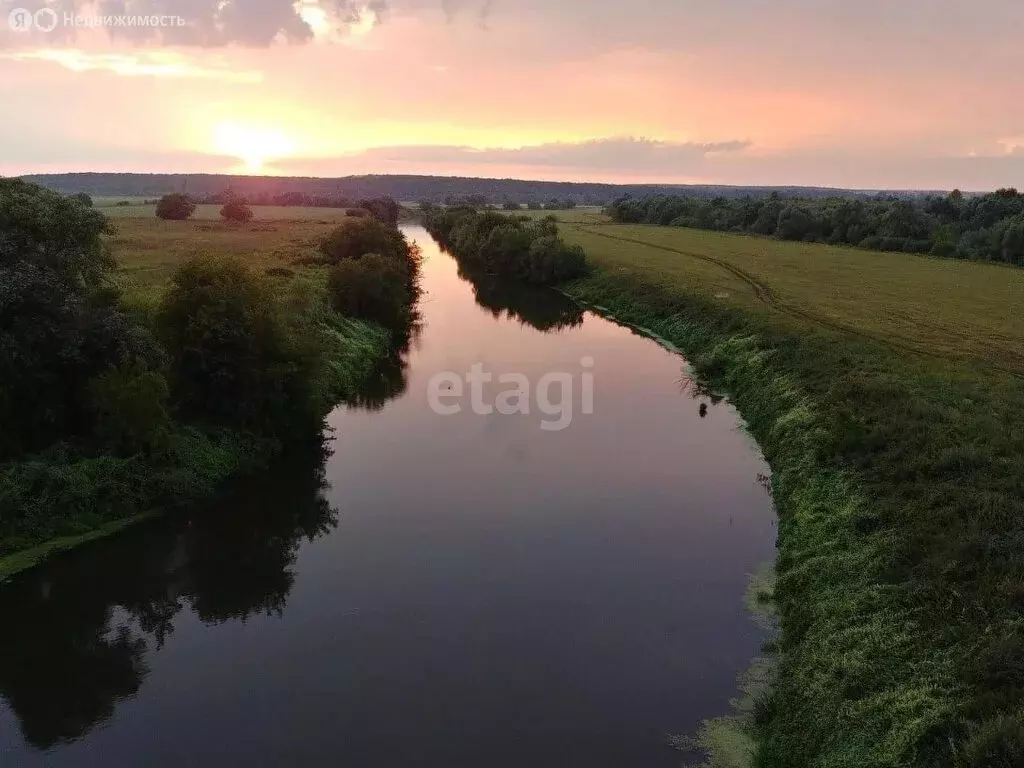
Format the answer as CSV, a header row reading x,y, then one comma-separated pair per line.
x,y
540,308
77,632
386,382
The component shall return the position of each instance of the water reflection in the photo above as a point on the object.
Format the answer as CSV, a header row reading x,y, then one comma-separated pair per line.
x,y
545,310
86,625
387,381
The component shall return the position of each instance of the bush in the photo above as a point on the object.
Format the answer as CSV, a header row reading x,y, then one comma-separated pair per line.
x,y
361,236
373,288
233,360
282,272
131,409
83,198
175,207
237,210
384,209
552,261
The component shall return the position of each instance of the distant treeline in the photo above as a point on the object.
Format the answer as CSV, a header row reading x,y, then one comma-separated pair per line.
x,y
384,207
982,227
494,244
433,189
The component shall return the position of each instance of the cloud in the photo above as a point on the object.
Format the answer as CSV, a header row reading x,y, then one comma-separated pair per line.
x,y
207,23
608,154
143,64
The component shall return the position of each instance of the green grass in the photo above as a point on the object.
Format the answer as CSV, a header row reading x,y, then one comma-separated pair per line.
x,y
262,213
148,250
30,558
963,310
583,214
885,391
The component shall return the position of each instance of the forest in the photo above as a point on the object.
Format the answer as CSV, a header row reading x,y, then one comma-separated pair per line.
x,y
986,227
279,190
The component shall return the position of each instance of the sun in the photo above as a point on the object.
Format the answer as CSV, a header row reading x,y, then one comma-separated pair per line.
x,y
253,146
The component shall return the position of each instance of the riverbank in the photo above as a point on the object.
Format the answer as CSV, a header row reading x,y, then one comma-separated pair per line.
x,y
235,353
357,350
899,508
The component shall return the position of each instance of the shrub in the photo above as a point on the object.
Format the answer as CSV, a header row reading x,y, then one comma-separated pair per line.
x,y
234,362
384,209
83,198
552,261
175,207
374,288
237,210
283,272
360,236
130,406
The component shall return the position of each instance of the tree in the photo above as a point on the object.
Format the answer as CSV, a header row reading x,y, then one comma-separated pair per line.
x,y
237,210
233,361
795,223
53,232
384,209
83,198
372,288
175,207
61,326
361,236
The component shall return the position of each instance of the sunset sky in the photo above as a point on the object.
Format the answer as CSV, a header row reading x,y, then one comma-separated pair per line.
x,y
867,94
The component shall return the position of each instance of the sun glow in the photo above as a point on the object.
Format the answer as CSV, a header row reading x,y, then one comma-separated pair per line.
x,y
253,146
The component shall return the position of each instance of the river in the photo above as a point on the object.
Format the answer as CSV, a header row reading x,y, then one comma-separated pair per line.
x,y
461,590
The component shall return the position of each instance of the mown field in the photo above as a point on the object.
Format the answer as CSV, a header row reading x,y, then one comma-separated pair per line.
x,y
887,392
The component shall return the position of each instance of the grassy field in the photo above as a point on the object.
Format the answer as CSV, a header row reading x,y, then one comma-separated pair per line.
x,y
262,213
583,214
148,249
887,392
955,309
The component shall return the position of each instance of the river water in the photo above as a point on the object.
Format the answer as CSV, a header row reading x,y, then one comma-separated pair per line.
x,y
462,590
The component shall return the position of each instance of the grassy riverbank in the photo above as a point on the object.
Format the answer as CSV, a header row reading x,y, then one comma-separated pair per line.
x,y
888,400
264,326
